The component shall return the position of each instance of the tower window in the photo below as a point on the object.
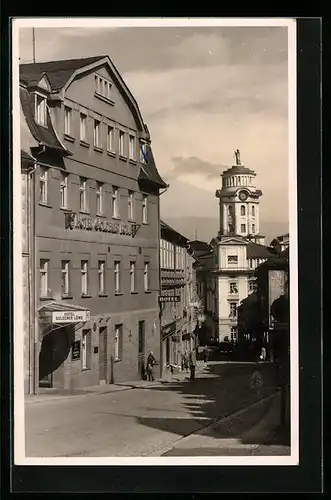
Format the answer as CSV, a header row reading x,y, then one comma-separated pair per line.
x,y
253,211
232,259
253,228
243,228
242,210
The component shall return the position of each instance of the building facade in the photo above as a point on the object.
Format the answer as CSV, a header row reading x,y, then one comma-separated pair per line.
x,y
94,226
236,251
178,311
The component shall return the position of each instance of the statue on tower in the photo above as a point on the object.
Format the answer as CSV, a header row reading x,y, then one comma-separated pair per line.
x,y
237,156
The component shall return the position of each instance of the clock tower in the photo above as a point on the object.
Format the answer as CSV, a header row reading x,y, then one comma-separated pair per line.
x,y
239,203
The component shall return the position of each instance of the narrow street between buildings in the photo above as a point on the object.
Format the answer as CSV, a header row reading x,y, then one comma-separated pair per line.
x,y
161,418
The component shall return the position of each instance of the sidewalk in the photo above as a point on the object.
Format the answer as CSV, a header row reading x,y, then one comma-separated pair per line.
x,y
253,430
52,394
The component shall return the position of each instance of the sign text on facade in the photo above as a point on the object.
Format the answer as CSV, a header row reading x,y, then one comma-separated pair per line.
x,y
70,316
84,222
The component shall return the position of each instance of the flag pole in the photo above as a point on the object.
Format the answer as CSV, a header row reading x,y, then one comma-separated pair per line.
x,y
34,45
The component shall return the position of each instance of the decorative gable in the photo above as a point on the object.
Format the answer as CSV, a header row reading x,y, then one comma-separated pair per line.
x,y
232,240
44,84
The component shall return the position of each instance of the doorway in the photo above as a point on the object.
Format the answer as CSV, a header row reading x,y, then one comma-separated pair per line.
x,y
103,354
141,349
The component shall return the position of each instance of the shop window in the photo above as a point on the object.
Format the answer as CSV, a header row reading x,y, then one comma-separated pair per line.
x,y
118,343
86,349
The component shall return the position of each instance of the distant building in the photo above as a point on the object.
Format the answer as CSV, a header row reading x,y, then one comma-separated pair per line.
x,y
281,243
228,268
92,222
177,297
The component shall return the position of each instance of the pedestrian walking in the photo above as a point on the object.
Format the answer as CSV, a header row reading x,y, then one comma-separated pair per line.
x,y
151,361
193,362
205,354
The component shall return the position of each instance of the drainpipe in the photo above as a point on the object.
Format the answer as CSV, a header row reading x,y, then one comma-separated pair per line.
x,y
159,271
34,260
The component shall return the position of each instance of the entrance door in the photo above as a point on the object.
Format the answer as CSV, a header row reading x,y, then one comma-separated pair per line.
x,y
103,354
141,349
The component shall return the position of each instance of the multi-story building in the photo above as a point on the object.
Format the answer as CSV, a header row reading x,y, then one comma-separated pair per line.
x,y
93,224
236,251
178,296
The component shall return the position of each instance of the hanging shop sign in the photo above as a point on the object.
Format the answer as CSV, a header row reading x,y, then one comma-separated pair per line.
x,y
70,316
87,223
75,350
169,296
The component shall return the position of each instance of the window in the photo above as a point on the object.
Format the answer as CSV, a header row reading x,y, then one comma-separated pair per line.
x,y
110,139
118,342
242,210
43,178
86,349
233,287
132,147
65,277
122,144
40,109
82,127
114,202
232,259
253,228
96,134
141,337
144,209
67,120
233,310
102,86
64,189
131,205
143,152
243,228
253,211
99,196
44,265
84,276
132,276
146,276
117,276
83,194
233,334
101,277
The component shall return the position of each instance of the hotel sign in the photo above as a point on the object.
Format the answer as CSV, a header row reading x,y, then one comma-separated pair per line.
x,y
85,222
169,296
70,316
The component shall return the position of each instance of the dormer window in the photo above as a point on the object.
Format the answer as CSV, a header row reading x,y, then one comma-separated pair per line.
x,y
143,152
102,87
40,109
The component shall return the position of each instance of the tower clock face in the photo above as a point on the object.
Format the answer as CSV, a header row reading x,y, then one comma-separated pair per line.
x,y
243,195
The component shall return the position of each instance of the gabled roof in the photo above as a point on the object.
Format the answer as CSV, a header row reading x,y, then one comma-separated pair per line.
x,y
148,171
45,136
256,251
58,72
232,240
170,230
200,247
62,73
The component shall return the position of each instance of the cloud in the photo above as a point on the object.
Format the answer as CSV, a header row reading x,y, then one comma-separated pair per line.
x,y
203,92
194,165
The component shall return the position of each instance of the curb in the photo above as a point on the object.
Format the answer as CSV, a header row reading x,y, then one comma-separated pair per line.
x,y
203,430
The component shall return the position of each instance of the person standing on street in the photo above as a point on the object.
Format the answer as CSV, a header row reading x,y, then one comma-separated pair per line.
x,y
205,354
151,361
193,362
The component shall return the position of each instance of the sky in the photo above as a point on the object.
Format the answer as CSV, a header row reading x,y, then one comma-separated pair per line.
x,y
203,92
